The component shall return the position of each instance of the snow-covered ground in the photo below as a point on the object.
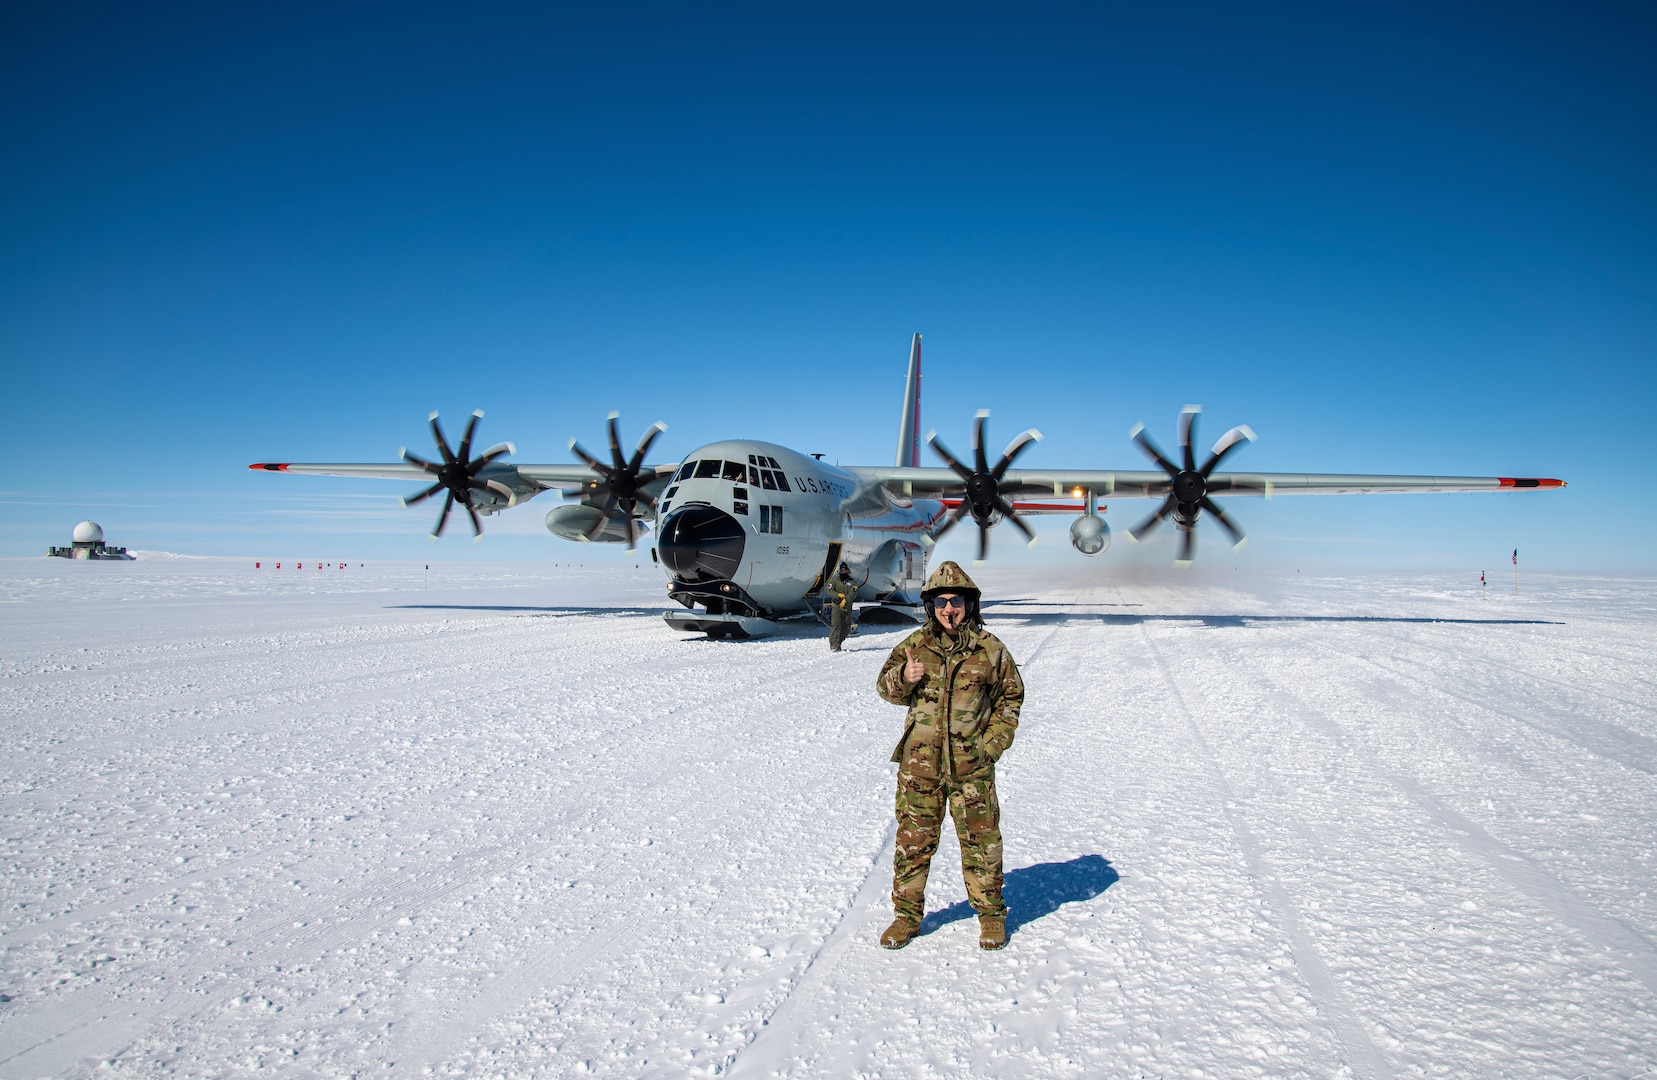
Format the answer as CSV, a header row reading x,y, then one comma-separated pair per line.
x,y
503,821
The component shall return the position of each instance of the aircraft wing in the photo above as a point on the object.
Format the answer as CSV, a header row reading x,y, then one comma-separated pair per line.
x,y
565,476
535,477
391,470
1075,483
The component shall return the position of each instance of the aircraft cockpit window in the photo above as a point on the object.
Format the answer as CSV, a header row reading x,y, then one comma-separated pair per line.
x,y
752,460
672,491
753,472
735,470
740,507
687,471
767,479
739,493
782,482
706,470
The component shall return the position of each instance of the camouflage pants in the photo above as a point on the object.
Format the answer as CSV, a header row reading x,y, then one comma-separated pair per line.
x,y
920,808
840,625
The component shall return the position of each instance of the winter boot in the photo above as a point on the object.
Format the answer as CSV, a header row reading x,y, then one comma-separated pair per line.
x,y
992,932
900,933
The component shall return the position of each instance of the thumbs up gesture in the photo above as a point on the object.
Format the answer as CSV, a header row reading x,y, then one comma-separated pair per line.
x,y
913,669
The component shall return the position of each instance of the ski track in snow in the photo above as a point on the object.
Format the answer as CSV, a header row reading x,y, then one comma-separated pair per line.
x,y
501,821
1358,1052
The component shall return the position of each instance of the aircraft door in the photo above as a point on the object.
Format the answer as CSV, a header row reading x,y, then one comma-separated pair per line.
x,y
829,566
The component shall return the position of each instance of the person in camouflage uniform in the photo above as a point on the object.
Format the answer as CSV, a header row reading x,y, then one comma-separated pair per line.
x,y
963,692
841,593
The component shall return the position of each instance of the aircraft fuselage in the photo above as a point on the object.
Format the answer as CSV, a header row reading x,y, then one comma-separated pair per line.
x,y
749,531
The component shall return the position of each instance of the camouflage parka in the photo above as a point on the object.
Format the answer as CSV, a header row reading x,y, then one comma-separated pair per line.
x,y
971,688
840,593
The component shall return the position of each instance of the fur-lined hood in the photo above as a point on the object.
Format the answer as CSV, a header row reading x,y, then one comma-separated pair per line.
x,y
951,578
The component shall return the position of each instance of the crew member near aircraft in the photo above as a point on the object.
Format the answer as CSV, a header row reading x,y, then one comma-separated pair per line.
x,y
841,593
963,692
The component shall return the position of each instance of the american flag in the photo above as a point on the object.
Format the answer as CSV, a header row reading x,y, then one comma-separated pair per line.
x,y
1515,556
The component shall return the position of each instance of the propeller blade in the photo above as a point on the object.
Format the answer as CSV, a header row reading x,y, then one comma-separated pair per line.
x,y
422,496
632,534
1010,515
477,526
1228,442
604,518
978,440
592,462
1187,546
498,450
615,443
442,443
983,542
497,487
415,459
1187,429
955,517
644,446
1140,531
1015,448
443,518
1138,435
949,459
1237,537
463,454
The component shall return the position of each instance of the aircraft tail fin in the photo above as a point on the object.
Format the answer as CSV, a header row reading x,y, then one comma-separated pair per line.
x,y
909,428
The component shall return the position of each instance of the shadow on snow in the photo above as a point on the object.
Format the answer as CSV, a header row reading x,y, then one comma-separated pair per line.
x,y
1032,892
531,609
803,625
1062,617
809,625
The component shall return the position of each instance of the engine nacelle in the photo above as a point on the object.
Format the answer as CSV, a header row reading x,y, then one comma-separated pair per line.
x,y
1089,534
574,521
989,520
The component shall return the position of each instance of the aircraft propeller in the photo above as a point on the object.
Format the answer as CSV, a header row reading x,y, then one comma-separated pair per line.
x,y
459,475
984,484
624,480
1188,492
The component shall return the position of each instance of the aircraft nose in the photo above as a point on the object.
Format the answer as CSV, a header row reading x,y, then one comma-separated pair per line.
x,y
700,543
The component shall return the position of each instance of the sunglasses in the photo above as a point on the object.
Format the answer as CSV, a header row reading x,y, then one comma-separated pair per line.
x,y
949,601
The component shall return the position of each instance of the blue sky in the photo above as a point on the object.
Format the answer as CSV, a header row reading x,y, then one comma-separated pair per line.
x,y
1390,238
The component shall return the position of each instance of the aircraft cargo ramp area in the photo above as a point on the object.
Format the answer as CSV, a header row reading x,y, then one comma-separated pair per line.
x,y
504,821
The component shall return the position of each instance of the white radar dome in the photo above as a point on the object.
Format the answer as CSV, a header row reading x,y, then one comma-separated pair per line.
x,y
89,532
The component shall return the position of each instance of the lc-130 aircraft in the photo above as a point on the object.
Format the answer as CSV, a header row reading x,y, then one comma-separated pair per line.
x,y
749,532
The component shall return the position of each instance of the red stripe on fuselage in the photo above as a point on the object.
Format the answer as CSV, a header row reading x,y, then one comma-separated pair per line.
x,y
1057,508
